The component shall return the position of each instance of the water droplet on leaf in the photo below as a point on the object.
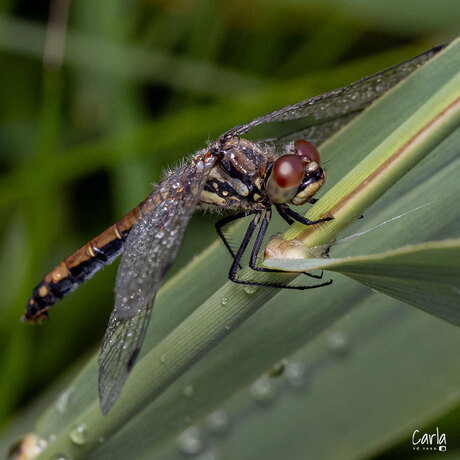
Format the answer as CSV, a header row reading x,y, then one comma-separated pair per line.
x,y
262,390
63,400
250,289
217,421
278,368
79,434
337,342
295,373
190,441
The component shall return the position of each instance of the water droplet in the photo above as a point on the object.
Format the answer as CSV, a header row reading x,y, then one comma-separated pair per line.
x,y
101,439
42,444
337,342
163,358
63,400
188,391
262,390
190,441
59,457
250,289
52,437
224,301
217,422
278,368
79,434
187,419
207,455
295,373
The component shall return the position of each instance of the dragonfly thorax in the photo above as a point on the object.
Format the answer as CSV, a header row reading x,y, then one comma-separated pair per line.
x,y
248,175
237,178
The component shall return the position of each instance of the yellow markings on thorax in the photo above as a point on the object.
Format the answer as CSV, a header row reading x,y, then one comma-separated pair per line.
x,y
212,198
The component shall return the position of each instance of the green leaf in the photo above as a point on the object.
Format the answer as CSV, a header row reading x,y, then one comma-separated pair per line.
x,y
424,275
349,392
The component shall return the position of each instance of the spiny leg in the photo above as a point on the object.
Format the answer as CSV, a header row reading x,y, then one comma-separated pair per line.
x,y
258,243
283,214
283,209
239,254
244,244
255,252
224,221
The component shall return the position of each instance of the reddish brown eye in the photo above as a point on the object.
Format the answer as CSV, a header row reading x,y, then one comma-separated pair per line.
x,y
307,151
288,171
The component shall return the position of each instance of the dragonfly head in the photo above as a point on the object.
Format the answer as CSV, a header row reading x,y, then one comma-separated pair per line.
x,y
297,176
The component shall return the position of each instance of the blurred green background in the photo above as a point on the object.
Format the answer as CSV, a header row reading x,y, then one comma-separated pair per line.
x,y
96,101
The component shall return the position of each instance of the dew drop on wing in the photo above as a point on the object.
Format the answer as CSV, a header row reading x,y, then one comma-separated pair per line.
x,y
144,263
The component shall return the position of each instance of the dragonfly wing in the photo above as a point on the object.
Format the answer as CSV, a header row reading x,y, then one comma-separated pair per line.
x,y
150,250
316,134
120,348
341,103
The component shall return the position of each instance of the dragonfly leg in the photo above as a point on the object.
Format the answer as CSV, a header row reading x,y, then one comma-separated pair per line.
x,y
221,223
285,209
258,244
244,244
283,214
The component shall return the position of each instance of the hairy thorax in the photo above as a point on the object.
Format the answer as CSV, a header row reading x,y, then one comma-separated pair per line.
x,y
237,179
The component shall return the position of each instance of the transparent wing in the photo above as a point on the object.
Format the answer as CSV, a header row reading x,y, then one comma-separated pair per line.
x,y
321,116
150,250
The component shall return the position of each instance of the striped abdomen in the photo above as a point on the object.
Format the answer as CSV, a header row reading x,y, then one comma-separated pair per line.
x,y
80,266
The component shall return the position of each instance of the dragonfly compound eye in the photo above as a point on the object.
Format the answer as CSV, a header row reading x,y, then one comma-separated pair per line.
x,y
285,178
313,173
307,151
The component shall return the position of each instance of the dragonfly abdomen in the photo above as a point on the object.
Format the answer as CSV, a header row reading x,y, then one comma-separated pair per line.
x,y
80,266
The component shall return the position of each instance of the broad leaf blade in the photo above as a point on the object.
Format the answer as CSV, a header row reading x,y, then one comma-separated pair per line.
x,y
424,275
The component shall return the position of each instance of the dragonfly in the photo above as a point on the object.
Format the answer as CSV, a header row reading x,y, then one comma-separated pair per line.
x,y
245,177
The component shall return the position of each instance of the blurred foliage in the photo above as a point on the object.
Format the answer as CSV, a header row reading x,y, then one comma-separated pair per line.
x,y
141,85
